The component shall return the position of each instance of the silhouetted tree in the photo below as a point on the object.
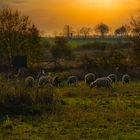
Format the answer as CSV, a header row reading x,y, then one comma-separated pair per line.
x,y
18,36
102,29
121,31
85,31
135,26
68,31
78,32
61,49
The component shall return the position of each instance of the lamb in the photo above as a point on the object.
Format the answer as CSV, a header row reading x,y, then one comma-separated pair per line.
x,y
56,81
43,80
72,80
89,78
101,82
125,79
29,82
113,77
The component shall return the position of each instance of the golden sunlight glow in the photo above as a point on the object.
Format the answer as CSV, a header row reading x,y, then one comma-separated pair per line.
x,y
101,3
104,2
52,15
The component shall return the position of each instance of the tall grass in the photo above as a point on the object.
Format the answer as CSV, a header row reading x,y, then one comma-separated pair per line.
x,y
77,112
15,99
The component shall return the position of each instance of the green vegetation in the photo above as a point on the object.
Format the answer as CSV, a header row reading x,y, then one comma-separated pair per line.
x,y
79,42
81,113
61,49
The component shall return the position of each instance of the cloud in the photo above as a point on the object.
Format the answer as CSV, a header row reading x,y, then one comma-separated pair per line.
x,y
14,1
4,3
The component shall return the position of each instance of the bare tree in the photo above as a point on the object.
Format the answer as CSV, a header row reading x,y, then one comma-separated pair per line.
x,y
135,26
102,29
121,30
85,31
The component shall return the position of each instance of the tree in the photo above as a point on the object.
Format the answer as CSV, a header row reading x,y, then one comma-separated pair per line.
x,y
18,36
85,31
135,27
102,29
68,31
121,30
61,49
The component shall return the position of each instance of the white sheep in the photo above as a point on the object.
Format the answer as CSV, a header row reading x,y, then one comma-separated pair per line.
x,y
29,82
42,73
43,80
113,77
125,79
110,80
89,78
101,82
49,77
56,81
72,80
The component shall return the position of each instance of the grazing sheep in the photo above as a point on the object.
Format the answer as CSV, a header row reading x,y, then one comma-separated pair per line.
x,y
56,81
89,78
29,82
72,80
49,77
42,73
110,80
43,80
101,82
125,79
113,77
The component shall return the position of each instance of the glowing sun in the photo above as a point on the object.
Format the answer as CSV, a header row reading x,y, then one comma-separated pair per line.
x,y
103,2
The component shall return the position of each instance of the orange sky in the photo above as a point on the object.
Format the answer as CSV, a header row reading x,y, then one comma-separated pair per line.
x,y
52,15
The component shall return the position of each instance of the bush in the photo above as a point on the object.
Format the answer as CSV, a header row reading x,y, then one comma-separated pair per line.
x,y
14,99
61,49
99,45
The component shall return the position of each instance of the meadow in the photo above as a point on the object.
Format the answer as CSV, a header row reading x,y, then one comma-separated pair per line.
x,y
77,113
76,42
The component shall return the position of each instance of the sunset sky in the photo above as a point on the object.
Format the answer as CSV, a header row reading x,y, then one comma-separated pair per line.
x,y
52,15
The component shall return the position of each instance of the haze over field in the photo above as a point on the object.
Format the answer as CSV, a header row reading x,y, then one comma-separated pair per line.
x,y
52,15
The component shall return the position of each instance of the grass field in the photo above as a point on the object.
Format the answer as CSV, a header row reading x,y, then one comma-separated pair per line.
x,y
78,42
83,114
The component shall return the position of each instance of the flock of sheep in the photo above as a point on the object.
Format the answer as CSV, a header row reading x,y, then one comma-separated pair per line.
x,y
90,80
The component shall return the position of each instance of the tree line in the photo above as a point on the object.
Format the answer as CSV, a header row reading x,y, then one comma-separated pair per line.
x,y
100,29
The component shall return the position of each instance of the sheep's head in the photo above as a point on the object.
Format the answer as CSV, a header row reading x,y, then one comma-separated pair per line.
x,y
93,84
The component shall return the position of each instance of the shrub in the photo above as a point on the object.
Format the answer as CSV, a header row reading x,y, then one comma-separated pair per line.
x,y
14,99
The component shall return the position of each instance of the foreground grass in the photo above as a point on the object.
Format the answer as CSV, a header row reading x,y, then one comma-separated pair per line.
x,y
82,113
